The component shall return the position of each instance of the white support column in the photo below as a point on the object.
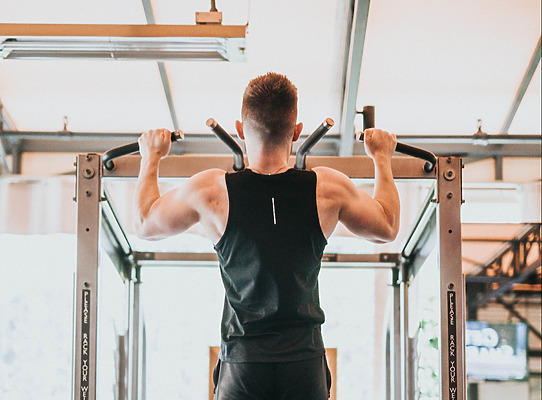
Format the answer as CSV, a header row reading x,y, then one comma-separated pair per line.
x,y
452,300
88,197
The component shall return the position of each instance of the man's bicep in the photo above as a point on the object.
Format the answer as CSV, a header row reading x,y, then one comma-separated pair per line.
x,y
363,215
171,214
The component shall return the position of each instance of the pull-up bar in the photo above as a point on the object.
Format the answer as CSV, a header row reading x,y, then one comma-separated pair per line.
x,y
130,148
306,146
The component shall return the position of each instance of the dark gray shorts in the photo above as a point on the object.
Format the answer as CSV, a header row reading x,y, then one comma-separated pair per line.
x,y
296,380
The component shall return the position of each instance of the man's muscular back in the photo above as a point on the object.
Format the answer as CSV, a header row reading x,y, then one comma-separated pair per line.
x,y
204,198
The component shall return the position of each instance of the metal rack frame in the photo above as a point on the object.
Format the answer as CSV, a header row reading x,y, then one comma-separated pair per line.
x,y
437,224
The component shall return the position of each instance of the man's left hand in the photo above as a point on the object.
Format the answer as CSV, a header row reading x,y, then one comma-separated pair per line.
x,y
155,143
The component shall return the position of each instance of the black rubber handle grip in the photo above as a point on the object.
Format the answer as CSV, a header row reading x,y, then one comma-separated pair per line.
x,y
129,148
309,143
238,157
414,152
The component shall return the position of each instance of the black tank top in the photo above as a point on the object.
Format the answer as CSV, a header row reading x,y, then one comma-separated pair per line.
x,y
269,258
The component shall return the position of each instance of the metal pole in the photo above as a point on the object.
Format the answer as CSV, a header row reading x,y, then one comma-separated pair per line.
x,y
162,70
405,369
88,196
134,335
388,360
4,167
360,17
120,392
396,315
452,310
525,82
16,157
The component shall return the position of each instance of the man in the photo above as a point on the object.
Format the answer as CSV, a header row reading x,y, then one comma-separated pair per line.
x,y
269,224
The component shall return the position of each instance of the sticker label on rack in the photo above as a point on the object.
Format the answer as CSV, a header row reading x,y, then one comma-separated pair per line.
x,y
85,343
452,345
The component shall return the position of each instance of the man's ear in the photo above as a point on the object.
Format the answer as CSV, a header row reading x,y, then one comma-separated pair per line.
x,y
297,131
239,128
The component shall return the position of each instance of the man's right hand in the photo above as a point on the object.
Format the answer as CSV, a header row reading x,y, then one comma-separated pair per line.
x,y
379,143
155,144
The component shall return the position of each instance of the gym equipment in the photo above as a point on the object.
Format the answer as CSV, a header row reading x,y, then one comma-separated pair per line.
x,y
438,224
130,148
133,147
313,138
301,154
238,158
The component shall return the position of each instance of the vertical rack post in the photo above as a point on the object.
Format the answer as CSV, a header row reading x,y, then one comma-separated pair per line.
x,y
452,315
88,195
134,334
397,366
404,340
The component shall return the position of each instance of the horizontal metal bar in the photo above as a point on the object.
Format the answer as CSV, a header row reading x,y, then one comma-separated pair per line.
x,y
411,151
470,139
410,139
455,145
486,279
496,240
362,167
104,30
383,260
130,148
357,167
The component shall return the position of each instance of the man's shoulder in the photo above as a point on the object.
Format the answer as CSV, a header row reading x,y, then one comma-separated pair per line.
x,y
209,174
208,179
328,175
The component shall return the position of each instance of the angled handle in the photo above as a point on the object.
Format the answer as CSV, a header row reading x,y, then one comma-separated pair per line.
x,y
309,143
130,148
238,157
412,151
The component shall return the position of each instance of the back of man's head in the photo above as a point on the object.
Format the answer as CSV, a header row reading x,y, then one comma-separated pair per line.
x,y
270,108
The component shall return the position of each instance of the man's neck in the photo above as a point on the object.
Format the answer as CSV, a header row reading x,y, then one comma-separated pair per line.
x,y
268,163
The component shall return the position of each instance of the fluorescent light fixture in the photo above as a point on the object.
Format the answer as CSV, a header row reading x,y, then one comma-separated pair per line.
x,y
123,42
163,49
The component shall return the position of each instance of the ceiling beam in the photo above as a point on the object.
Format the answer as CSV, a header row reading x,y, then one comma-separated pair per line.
x,y
449,145
531,69
104,30
162,70
356,43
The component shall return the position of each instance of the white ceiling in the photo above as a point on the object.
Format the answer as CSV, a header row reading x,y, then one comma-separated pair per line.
x,y
429,67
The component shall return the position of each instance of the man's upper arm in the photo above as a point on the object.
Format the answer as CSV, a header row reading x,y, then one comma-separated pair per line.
x,y
358,211
177,210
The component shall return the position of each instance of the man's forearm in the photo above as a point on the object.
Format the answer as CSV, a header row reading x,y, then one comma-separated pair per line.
x,y
385,191
147,191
